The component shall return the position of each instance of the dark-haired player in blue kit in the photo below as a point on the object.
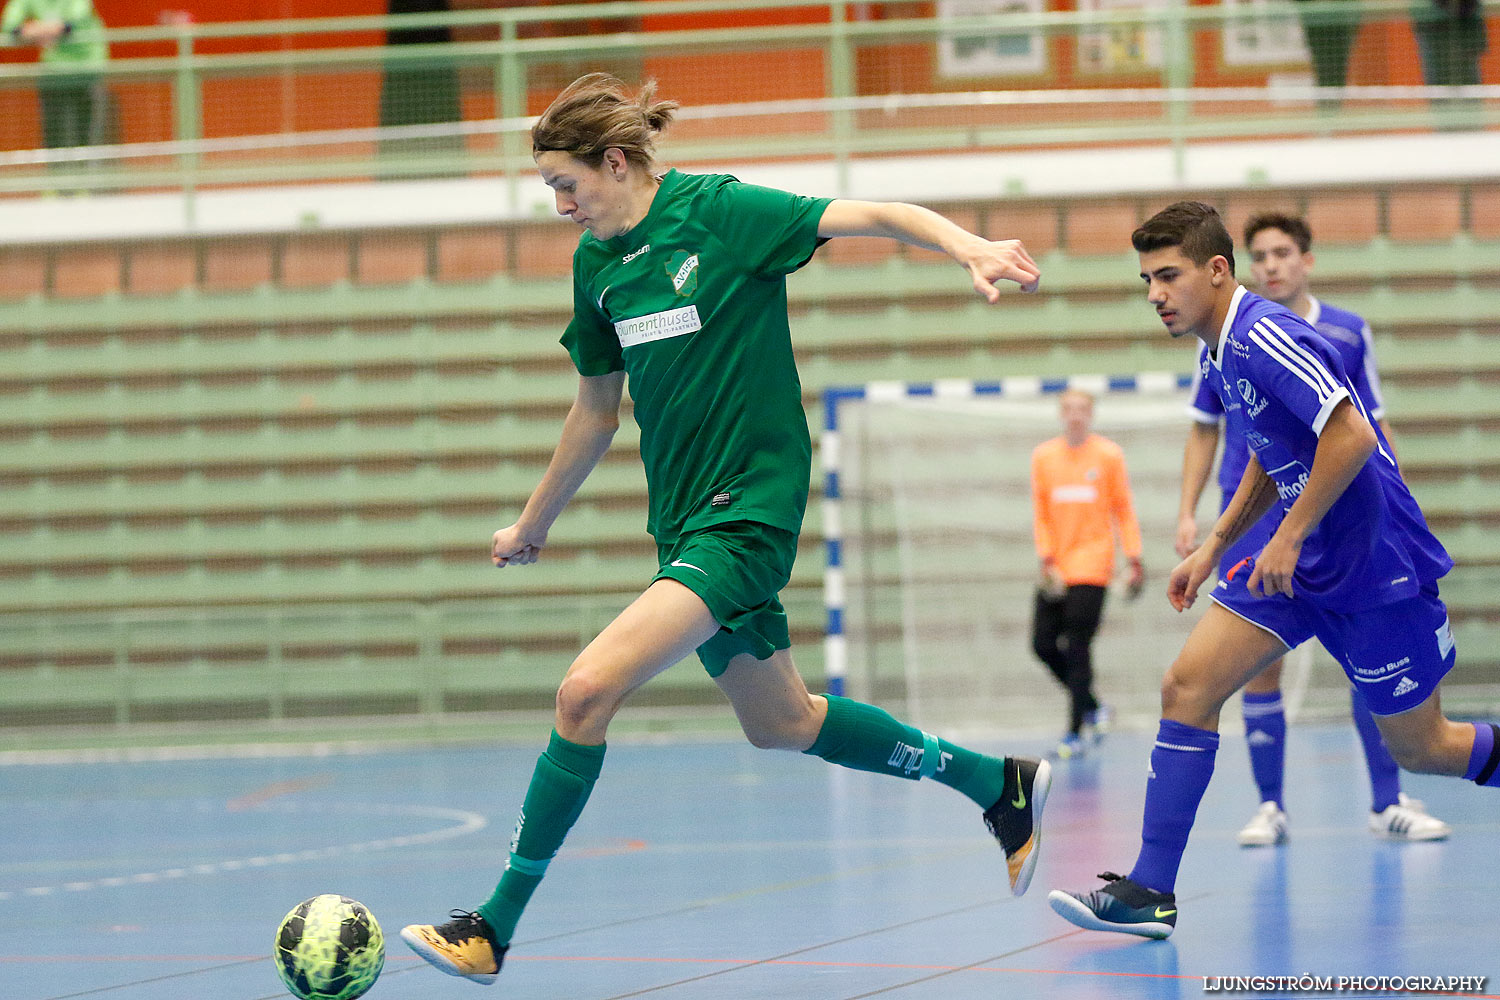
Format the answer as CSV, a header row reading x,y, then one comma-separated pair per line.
x,y
1351,562
1281,262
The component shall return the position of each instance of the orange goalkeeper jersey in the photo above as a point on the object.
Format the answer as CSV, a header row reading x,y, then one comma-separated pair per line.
x,y
1081,499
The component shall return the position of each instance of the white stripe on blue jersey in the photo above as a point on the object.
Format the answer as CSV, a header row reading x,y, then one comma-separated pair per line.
x,y
1372,377
1294,358
1373,546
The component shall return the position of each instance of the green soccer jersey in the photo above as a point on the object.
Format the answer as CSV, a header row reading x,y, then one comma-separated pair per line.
x,y
691,304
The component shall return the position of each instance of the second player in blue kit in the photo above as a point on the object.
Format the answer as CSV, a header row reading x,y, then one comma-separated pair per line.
x,y
1351,562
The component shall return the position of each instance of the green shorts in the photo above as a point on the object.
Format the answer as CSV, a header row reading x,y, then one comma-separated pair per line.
x,y
738,568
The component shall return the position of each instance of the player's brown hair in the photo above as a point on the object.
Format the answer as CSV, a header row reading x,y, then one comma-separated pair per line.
x,y
1292,225
595,113
1191,225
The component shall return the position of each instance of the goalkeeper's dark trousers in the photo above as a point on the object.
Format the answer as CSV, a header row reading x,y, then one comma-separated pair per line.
x,y
1062,632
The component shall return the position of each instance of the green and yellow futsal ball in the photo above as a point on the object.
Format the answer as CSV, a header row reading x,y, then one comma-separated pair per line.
x,y
329,948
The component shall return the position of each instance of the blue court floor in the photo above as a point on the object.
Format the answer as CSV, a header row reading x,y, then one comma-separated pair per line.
x,y
711,870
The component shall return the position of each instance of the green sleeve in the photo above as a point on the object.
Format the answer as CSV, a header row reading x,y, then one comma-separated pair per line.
x,y
590,338
774,232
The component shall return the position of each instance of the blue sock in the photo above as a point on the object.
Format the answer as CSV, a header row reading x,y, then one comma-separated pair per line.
x,y
1265,735
1181,764
1385,776
1484,759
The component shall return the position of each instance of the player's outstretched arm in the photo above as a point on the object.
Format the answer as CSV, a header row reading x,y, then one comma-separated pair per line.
x,y
1346,443
586,434
987,261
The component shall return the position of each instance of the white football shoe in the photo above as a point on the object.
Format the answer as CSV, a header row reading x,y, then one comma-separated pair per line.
x,y
1408,819
1266,827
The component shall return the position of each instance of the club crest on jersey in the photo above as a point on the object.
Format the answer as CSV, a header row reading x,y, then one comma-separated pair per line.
x,y
683,270
1253,404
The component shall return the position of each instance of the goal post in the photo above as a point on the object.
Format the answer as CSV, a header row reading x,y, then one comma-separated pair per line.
x,y
930,564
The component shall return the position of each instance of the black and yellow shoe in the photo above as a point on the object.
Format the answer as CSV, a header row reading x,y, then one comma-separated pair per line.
x,y
1123,906
1015,819
464,946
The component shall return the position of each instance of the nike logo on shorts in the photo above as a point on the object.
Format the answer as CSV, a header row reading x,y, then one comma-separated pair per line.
x,y
687,565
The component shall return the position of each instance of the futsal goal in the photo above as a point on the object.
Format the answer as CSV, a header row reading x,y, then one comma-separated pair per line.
x,y
931,567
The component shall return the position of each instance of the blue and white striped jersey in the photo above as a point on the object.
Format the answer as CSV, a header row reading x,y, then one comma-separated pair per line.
x,y
1346,331
1278,381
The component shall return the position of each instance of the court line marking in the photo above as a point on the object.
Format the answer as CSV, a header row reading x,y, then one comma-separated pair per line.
x,y
980,966
982,904
941,971
465,822
731,897
277,789
96,991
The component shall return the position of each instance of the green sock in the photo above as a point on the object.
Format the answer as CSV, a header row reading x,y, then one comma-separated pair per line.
x,y
560,787
867,738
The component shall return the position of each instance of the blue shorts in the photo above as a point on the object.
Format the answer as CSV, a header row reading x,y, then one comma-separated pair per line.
x,y
1395,654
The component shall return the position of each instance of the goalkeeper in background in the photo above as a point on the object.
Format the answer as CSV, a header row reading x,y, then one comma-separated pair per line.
x,y
1081,501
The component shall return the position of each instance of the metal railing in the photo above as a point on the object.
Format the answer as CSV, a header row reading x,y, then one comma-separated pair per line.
x,y
300,100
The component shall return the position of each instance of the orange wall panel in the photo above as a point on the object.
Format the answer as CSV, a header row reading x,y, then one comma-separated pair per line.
x,y
390,258
162,268
1484,212
1385,52
1102,228
86,271
1344,217
471,254
727,77
23,272
236,264
315,260
1424,216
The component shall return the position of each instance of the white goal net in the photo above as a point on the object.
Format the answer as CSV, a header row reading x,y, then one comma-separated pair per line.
x,y
932,567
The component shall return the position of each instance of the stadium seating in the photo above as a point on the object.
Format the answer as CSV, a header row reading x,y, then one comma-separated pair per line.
x,y
257,478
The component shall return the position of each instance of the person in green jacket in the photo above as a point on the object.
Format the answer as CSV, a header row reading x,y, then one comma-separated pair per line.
x,y
71,38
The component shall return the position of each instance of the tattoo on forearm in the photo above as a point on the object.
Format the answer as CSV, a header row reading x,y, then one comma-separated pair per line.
x,y
1249,513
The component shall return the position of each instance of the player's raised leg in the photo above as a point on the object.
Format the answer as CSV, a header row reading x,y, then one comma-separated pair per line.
x,y
1221,654
777,712
1397,655
1393,815
1423,740
661,627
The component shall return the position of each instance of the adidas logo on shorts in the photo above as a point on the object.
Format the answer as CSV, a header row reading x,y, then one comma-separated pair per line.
x,y
1406,686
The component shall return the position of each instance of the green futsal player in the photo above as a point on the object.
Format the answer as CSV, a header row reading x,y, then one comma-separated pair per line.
x,y
679,282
